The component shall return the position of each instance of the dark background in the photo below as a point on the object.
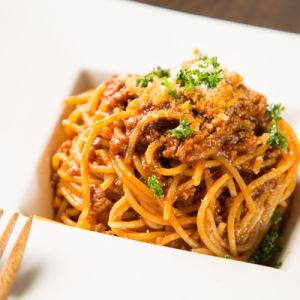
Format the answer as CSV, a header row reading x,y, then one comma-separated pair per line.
x,y
276,14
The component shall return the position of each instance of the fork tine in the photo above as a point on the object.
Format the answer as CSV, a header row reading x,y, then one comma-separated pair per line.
x,y
7,232
11,266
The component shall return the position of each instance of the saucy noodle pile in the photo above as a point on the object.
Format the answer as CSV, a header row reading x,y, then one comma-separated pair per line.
x,y
189,158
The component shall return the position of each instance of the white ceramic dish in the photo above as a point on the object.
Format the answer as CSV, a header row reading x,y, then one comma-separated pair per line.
x,y
48,50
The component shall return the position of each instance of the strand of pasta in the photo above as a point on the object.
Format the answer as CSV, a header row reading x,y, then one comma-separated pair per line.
x,y
239,199
80,98
240,181
136,185
201,216
82,220
170,198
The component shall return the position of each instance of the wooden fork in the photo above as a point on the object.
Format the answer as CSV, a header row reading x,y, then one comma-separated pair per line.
x,y
11,266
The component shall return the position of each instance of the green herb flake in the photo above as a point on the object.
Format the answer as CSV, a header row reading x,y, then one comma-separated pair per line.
x,y
172,92
208,74
182,131
275,111
266,249
227,256
158,71
206,61
156,168
276,138
144,81
190,79
276,218
155,186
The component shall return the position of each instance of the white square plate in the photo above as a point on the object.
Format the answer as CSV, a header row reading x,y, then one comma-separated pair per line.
x,y
46,47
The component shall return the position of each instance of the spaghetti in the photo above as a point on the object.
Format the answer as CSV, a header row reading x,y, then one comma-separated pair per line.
x,y
190,159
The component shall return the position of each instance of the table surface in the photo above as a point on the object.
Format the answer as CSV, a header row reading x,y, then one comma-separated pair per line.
x,y
276,14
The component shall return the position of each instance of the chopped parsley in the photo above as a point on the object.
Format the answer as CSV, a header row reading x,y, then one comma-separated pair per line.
x,y
206,61
275,111
190,79
172,92
158,71
267,248
182,131
156,168
276,138
208,74
145,80
276,218
227,256
155,186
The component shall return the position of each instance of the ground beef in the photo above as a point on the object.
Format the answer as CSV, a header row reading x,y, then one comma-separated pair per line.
x,y
118,143
114,94
100,208
232,116
97,143
170,147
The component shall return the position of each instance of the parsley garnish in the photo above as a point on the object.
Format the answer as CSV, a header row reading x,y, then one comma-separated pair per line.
x,y
206,61
156,168
276,218
193,78
276,138
155,186
158,71
227,256
172,92
183,130
275,111
266,249
208,74
145,80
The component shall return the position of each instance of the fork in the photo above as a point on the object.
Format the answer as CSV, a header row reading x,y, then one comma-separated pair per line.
x,y
12,264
